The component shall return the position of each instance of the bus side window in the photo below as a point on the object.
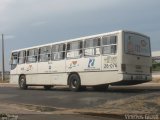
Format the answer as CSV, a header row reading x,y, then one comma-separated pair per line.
x,y
92,47
58,52
109,44
21,57
75,49
14,58
45,54
32,55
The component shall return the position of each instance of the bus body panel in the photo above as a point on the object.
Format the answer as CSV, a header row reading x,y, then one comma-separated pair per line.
x,y
73,65
28,68
109,63
44,67
38,79
99,78
137,65
136,57
46,79
14,78
58,66
92,64
84,64
59,79
92,70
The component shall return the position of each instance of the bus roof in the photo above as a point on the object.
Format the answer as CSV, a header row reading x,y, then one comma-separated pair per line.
x,y
80,38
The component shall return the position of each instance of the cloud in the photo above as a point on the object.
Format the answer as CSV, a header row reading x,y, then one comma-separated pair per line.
x,y
17,13
4,4
39,23
7,37
33,22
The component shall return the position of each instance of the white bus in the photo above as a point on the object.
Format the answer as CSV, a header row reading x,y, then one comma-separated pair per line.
x,y
119,57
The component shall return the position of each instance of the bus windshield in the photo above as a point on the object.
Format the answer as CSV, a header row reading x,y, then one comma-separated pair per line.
x,y
137,44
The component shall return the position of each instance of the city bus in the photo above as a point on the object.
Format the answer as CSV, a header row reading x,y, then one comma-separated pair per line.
x,y
113,58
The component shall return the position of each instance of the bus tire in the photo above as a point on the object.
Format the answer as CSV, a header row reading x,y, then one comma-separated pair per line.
x,y
48,87
74,83
100,87
22,82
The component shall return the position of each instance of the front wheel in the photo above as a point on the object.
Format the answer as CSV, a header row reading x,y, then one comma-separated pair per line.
x,y
74,82
22,83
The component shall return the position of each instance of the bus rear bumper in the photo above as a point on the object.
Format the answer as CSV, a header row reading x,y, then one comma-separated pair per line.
x,y
130,79
130,82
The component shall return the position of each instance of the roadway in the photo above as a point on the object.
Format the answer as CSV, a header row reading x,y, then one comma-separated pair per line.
x,y
60,103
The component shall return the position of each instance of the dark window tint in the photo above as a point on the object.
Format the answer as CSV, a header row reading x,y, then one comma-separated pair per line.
x,y
74,45
106,40
109,44
45,53
74,49
113,39
22,56
92,42
14,58
58,52
32,55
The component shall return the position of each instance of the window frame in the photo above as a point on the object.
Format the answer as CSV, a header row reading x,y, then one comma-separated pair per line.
x,y
80,49
22,57
58,51
137,34
12,58
109,45
32,56
93,47
44,54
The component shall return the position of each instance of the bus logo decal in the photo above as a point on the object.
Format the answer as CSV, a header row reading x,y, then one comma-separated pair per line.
x,y
29,68
91,62
73,64
110,62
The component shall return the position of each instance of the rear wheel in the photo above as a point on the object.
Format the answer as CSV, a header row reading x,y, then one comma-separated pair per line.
x,y
74,82
22,82
48,87
100,87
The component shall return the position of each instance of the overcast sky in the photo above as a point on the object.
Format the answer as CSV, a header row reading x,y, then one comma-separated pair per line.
x,y
26,23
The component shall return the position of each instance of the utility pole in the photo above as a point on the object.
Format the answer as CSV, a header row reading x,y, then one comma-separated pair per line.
x,y
3,58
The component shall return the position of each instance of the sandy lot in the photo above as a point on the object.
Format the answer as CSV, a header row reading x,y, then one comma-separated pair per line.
x,y
148,103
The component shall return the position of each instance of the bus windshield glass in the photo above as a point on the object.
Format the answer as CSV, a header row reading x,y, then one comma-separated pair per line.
x,y
137,44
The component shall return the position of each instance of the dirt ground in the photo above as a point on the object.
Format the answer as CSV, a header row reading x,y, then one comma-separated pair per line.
x,y
148,103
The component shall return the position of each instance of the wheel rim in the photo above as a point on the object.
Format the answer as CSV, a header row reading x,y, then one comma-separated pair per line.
x,y
74,83
22,82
